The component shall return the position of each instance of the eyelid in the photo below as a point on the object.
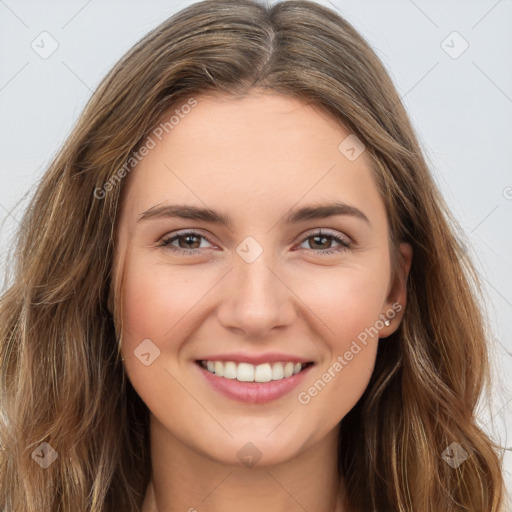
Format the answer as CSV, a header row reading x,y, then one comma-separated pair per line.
x,y
326,232
182,232
307,234
343,240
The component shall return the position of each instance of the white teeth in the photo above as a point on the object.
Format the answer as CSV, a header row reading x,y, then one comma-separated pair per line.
x,y
263,373
277,371
288,370
246,372
230,370
219,368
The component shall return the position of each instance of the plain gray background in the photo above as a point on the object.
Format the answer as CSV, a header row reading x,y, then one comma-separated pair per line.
x,y
459,100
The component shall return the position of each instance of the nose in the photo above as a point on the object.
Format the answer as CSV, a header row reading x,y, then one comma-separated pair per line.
x,y
255,298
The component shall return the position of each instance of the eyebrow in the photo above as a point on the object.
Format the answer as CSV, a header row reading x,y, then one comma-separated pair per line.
x,y
190,212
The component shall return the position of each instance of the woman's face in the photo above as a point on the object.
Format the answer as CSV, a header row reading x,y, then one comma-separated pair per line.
x,y
250,296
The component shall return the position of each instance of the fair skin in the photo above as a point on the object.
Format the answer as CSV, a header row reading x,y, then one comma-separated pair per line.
x,y
254,159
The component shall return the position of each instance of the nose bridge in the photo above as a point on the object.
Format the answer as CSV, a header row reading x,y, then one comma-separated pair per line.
x,y
256,299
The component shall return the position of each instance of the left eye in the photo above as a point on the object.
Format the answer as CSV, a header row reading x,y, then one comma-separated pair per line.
x,y
320,238
188,239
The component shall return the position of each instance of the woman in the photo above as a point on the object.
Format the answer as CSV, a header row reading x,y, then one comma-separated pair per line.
x,y
256,370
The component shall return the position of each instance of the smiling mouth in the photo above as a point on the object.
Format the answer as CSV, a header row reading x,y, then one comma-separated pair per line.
x,y
247,372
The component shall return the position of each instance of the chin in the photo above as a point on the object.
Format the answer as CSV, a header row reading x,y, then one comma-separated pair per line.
x,y
256,451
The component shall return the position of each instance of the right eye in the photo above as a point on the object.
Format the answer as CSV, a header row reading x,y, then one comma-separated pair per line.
x,y
189,237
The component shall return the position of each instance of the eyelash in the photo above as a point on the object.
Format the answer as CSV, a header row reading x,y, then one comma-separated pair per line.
x,y
345,244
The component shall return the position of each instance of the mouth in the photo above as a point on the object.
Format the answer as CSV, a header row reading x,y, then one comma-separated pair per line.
x,y
250,383
247,372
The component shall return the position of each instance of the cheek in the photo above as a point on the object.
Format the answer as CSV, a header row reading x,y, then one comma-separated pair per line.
x,y
348,304
155,304
351,342
347,301
155,300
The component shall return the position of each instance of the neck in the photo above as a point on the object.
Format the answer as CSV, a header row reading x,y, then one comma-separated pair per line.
x,y
183,479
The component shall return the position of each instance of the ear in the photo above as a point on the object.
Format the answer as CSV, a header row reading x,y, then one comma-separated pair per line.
x,y
394,307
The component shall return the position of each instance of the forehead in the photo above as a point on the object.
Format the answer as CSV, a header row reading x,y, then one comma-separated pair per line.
x,y
262,152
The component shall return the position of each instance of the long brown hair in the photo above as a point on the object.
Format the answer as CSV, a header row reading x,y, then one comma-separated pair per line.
x,y
62,380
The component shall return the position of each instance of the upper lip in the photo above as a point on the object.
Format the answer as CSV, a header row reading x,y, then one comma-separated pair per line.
x,y
255,359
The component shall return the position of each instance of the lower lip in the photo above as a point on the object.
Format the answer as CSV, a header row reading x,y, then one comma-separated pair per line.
x,y
253,392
